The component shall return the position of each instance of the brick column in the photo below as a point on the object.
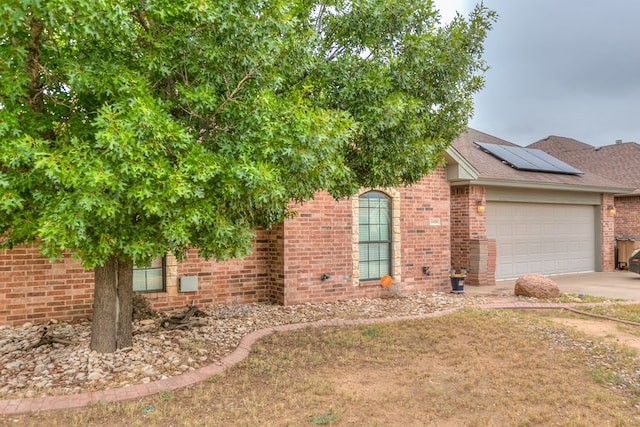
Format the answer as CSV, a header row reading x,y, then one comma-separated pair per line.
x,y
467,223
607,233
482,262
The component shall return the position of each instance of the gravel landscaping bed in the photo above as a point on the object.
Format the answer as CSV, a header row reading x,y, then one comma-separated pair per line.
x,y
57,369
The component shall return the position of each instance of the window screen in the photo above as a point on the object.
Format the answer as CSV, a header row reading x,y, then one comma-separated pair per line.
x,y
374,235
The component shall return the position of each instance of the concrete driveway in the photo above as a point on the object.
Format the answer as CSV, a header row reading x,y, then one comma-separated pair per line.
x,y
610,284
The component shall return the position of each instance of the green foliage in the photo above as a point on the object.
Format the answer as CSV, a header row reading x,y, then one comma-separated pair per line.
x,y
137,128
327,417
628,312
166,395
371,331
578,298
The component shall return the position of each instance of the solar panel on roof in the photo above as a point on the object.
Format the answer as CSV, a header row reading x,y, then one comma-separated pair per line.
x,y
528,159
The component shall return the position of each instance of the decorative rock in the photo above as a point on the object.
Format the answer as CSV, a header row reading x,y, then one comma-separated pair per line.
x,y
148,371
160,354
40,369
536,286
13,365
95,375
169,355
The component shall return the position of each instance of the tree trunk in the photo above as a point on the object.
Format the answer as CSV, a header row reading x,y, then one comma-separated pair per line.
x,y
112,306
124,336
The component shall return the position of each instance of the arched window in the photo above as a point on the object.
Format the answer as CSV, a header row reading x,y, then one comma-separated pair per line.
x,y
374,238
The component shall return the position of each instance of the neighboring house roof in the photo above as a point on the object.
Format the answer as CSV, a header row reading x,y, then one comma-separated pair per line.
x,y
618,162
560,144
471,164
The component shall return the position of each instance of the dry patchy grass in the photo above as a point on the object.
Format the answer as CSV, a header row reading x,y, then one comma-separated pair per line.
x,y
630,312
579,298
470,368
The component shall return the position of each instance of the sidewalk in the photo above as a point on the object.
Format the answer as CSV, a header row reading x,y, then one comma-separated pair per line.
x,y
610,284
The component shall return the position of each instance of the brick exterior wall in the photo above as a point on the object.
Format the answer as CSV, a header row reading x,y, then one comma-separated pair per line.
x,y
482,262
285,266
434,226
607,233
317,242
470,248
627,220
235,281
627,228
276,264
426,234
34,289
322,242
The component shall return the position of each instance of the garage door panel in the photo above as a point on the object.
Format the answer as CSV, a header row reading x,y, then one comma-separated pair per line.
x,y
541,238
537,265
537,250
521,268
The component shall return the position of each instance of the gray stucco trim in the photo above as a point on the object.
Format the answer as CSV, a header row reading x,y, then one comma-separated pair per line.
x,y
457,166
544,186
533,195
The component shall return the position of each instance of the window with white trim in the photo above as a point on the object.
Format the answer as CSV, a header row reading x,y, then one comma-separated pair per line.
x,y
374,238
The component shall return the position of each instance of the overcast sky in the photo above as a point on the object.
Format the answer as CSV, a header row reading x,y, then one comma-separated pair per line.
x,y
560,67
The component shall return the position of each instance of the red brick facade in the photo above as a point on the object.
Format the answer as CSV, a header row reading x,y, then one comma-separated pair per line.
x,y
470,248
607,237
435,228
627,216
627,228
285,267
32,288
468,225
320,241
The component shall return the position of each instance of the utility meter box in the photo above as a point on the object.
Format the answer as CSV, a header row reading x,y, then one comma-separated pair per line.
x,y
188,283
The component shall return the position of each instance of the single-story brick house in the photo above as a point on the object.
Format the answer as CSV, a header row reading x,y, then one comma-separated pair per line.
x,y
619,162
475,213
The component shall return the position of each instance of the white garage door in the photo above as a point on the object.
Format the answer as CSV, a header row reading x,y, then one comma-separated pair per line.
x,y
541,238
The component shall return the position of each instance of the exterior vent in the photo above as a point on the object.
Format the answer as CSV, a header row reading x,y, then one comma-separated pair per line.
x,y
188,283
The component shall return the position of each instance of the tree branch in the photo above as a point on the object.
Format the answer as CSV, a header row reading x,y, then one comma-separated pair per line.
x,y
141,16
33,67
233,93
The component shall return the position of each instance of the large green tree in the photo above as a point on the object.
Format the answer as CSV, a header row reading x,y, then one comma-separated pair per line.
x,y
134,128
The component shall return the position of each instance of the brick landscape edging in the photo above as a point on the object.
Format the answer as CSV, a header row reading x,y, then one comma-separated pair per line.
x,y
80,400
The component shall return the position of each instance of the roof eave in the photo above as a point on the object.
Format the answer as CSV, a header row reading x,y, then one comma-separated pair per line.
x,y
546,186
635,192
458,168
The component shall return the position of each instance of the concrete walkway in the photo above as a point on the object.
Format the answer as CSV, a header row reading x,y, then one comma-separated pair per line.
x,y
617,284
610,284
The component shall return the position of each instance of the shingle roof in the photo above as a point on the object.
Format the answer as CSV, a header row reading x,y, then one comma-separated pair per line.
x,y
560,144
490,168
618,162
